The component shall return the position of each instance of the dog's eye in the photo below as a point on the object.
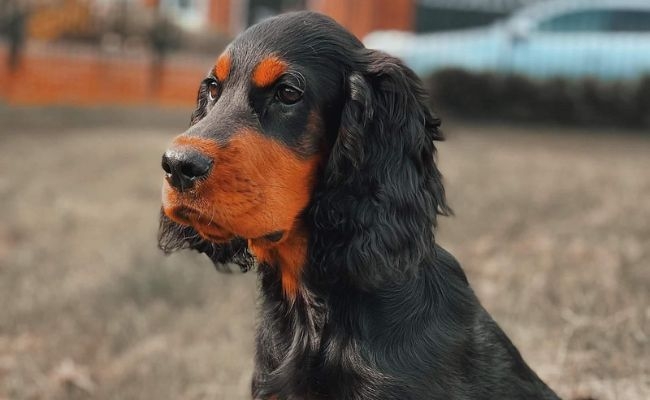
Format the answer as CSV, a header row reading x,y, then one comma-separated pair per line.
x,y
214,89
288,95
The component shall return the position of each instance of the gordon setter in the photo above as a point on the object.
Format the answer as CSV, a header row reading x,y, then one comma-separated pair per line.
x,y
312,157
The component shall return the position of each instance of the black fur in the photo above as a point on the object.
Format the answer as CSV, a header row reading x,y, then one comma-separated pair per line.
x,y
383,312
173,237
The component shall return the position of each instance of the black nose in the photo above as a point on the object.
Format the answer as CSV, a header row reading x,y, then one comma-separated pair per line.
x,y
184,167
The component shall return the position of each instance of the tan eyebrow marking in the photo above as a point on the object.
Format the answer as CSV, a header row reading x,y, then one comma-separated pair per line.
x,y
268,71
222,67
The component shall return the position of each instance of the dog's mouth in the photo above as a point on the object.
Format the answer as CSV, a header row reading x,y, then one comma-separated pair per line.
x,y
216,223
213,232
202,223
174,236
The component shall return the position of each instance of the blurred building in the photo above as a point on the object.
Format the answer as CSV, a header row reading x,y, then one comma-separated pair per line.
x,y
232,16
360,16
53,19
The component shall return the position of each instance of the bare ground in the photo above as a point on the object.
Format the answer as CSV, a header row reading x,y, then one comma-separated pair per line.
x,y
552,227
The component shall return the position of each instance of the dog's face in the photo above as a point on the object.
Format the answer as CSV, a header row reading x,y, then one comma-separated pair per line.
x,y
247,165
297,119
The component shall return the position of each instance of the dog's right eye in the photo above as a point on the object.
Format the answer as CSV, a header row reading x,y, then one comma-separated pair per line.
x,y
214,90
288,95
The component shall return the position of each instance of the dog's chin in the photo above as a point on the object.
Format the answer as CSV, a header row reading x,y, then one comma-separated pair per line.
x,y
216,236
203,223
223,249
225,255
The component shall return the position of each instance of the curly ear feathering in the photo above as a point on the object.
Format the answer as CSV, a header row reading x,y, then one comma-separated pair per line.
x,y
314,157
381,191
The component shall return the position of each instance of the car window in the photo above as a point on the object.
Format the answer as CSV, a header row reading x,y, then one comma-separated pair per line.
x,y
577,21
630,21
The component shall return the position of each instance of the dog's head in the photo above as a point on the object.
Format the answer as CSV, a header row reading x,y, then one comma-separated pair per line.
x,y
293,106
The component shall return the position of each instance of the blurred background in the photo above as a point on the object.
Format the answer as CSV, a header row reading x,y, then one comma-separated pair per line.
x,y
546,107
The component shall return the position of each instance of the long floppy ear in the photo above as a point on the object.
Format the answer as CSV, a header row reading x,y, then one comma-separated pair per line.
x,y
173,236
347,155
382,191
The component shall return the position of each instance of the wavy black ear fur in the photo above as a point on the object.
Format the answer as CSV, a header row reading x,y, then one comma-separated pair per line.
x,y
173,236
378,202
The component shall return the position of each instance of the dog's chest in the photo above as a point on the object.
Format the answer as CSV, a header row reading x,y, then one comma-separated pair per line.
x,y
313,350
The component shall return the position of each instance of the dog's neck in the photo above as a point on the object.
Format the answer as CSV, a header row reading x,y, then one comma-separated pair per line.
x,y
343,239
289,255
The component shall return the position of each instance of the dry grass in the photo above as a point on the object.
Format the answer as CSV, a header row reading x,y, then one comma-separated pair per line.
x,y
553,229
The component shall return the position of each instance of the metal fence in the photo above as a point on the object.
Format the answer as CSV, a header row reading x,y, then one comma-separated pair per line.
x,y
95,52
138,51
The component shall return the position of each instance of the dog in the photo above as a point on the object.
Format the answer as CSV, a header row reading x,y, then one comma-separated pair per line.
x,y
311,157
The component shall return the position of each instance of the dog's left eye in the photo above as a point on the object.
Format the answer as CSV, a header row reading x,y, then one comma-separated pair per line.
x,y
288,95
213,90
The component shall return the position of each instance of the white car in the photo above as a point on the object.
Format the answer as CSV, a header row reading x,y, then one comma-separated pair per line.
x,y
605,39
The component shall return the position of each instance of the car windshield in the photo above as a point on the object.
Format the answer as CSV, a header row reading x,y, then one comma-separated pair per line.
x,y
630,21
598,21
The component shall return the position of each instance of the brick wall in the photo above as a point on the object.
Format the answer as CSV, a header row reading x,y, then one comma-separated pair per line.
x,y
364,16
219,15
53,75
46,77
